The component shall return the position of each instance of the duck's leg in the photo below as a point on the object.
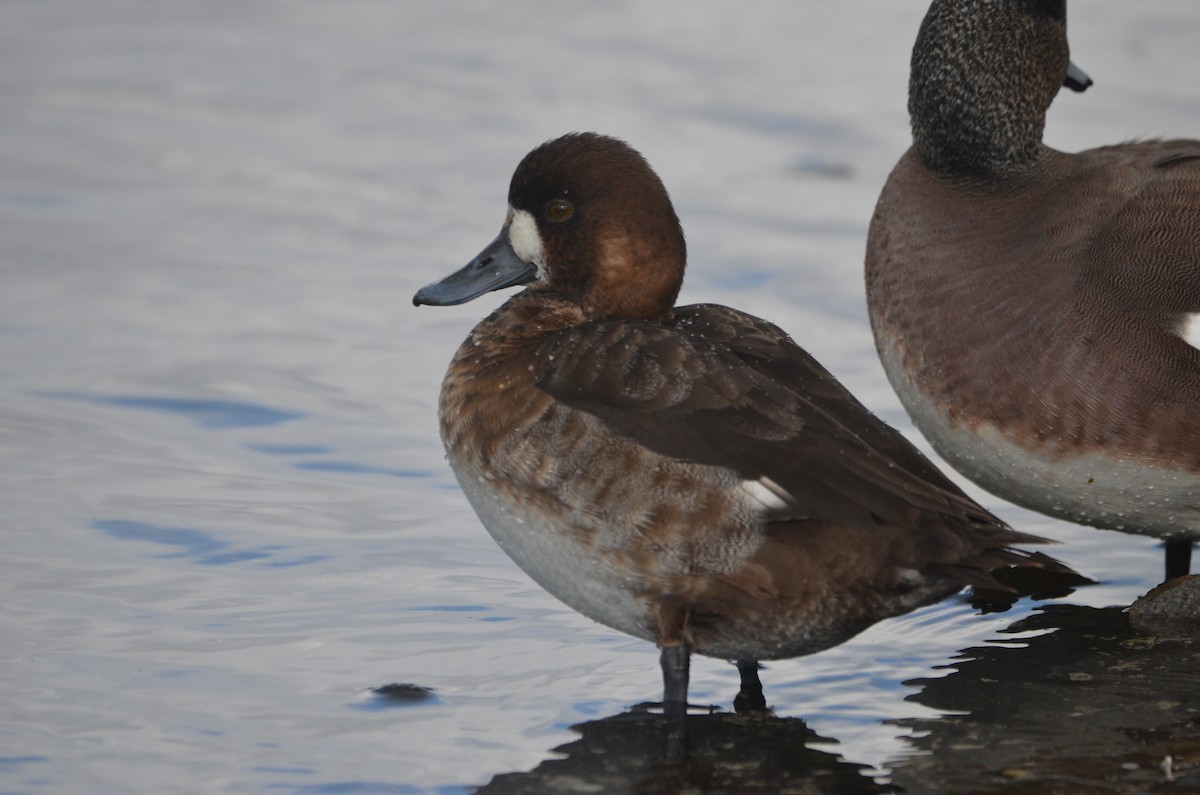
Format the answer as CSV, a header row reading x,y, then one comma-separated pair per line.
x,y
676,661
1179,557
750,695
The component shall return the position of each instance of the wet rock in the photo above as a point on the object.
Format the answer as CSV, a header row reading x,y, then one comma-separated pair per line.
x,y
1083,703
1172,610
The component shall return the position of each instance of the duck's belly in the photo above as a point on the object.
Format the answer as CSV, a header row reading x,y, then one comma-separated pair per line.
x,y
627,592
586,579
1098,488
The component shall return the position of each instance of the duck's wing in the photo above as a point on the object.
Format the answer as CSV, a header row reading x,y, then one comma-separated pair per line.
x,y
1145,252
719,387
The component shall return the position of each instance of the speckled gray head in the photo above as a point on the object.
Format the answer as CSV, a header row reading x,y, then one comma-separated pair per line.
x,y
976,104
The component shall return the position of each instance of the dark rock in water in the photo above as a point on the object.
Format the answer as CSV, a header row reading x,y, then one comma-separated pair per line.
x,y
404,693
396,695
1172,610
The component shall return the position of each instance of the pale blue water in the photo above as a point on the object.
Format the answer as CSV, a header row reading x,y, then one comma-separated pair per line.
x,y
225,510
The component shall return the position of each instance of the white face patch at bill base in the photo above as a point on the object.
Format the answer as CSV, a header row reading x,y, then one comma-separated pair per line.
x,y
525,239
1189,329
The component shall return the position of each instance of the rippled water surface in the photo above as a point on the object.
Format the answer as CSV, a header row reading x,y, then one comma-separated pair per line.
x,y
225,508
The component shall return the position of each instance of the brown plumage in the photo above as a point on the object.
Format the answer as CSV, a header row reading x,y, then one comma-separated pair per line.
x,y
1028,303
686,475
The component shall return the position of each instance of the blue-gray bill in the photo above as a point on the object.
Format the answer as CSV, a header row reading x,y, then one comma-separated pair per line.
x,y
1076,79
494,268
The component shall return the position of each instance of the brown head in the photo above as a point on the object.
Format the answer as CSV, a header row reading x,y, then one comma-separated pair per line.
x,y
588,221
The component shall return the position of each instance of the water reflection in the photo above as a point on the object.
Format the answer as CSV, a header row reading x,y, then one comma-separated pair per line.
x,y
207,412
354,468
727,753
755,751
1091,705
203,547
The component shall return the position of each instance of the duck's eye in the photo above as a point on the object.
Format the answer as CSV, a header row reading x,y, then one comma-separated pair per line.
x,y
560,210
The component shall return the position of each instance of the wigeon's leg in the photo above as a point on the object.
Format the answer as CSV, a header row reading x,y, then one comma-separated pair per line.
x,y
750,695
675,660
1179,557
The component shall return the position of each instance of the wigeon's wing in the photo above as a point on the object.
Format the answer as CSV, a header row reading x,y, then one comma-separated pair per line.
x,y
1145,255
718,387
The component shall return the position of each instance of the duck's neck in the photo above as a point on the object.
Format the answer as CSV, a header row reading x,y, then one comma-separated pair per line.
x,y
980,88
523,321
956,140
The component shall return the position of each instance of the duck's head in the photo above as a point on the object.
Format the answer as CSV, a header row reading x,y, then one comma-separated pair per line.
x,y
588,222
984,73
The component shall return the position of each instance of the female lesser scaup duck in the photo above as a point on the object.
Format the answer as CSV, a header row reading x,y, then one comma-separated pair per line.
x,y
1031,306
686,475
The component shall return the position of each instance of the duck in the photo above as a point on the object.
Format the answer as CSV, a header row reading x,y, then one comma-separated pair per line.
x,y
685,475
1035,310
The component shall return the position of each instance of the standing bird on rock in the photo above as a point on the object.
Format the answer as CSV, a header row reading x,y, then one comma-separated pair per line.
x,y
1037,311
686,475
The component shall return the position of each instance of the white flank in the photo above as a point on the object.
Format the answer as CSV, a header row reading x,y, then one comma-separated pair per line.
x,y
1093,487
767,492
1190,330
